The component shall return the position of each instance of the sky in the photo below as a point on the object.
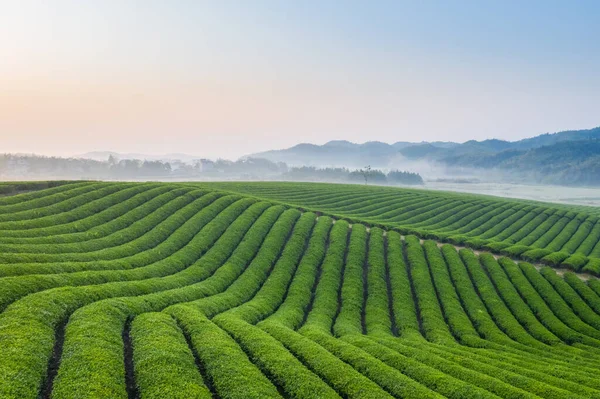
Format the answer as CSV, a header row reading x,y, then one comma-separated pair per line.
x,y
227,78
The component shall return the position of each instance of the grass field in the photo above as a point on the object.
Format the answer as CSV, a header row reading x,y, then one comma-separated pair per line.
x,y
260,290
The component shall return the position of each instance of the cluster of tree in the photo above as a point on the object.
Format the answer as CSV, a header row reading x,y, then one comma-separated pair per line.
x,y
404,177
366,175
39,167
132,168
14,166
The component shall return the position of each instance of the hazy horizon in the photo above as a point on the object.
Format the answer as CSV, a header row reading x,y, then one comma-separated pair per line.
x,y
235,157
225,79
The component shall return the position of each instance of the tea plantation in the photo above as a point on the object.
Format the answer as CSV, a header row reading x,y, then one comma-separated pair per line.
x,y
270,290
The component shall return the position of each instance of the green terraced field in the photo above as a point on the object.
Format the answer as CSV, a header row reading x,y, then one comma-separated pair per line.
x,y
269,290
554,234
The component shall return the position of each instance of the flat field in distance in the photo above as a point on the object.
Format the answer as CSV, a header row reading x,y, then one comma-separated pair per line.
x,y
589,196
269,290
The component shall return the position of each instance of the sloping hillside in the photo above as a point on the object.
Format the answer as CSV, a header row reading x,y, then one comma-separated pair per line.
x,y
164,290
550,233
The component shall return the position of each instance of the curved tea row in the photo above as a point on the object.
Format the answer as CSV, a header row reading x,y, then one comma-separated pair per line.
x,y
121,290
558,235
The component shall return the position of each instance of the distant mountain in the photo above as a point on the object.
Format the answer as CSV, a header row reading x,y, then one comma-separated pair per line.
x,y
418,151
340,144
345,153
564,157
554,138
569,157
333,153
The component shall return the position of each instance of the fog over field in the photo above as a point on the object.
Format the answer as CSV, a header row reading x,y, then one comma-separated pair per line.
x,y
562,167
546,193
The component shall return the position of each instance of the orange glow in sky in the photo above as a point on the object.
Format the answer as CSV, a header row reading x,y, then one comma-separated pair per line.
x,y
223,79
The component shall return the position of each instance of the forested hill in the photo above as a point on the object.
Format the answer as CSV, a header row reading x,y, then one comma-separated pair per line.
x,y
566,163
570,157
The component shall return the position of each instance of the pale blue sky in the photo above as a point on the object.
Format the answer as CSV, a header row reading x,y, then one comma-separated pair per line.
x,y
224,78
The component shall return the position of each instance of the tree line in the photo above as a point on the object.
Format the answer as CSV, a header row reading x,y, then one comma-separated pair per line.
x,y
40,167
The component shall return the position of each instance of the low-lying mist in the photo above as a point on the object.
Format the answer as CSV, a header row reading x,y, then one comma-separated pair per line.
x,y
395,171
